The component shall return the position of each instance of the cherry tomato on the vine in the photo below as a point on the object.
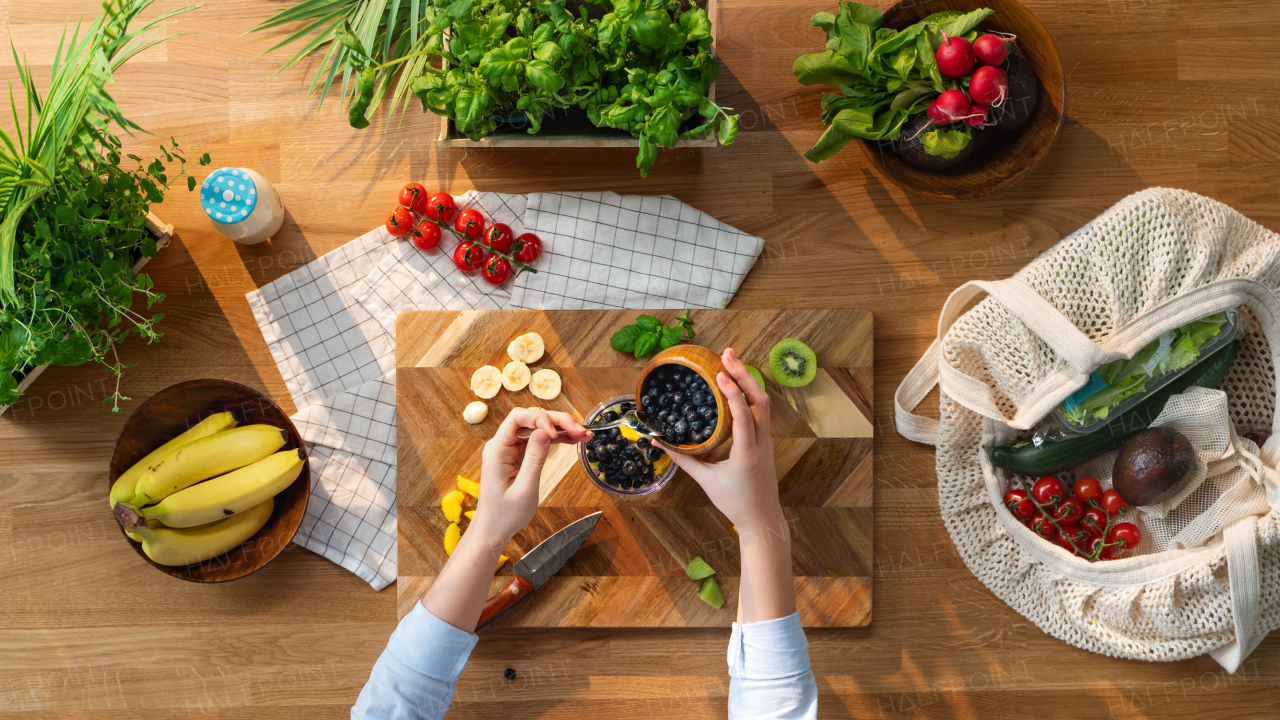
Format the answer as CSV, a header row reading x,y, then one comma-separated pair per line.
x,y
1043,527
414,197
1087,489
470,223
498,237
1112,502
1048,490
1127,534
1069,510
468,256
399,222
440,207
527,248
1077,535
1094,520
496,270
1018,504
427,235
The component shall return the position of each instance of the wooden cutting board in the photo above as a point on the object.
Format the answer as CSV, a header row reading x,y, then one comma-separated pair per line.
x,y
630,573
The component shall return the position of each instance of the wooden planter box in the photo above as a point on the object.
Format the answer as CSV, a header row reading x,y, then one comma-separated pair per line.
x,y
577,137
163,233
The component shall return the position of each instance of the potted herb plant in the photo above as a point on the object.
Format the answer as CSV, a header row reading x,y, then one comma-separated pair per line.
x,y
75,224
639,71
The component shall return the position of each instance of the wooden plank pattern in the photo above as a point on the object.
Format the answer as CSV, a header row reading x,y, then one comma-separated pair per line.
x,y
631,571
1157,95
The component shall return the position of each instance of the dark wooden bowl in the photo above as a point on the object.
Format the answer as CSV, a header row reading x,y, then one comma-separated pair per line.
x,y
171,412
708,365
1008,156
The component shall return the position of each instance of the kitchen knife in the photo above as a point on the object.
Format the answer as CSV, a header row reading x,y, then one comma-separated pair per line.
x,y
539,564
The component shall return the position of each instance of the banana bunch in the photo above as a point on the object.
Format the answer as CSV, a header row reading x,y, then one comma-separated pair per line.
x,y
206,491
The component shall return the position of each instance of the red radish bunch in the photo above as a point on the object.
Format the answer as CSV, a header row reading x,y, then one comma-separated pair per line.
x,y
490,249
951,106
988,85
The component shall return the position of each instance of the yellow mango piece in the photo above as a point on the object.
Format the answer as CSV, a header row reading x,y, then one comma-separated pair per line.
x,y
469,486
452,535
451,504
628,433
661,464
471,514
502,560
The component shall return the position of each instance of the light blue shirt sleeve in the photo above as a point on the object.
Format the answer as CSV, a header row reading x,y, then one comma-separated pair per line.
x,y
770,673
415,677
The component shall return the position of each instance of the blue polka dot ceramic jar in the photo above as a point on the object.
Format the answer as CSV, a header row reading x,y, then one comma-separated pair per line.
x,y
241,204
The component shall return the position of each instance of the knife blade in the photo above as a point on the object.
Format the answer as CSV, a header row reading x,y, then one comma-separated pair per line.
x,y
534,569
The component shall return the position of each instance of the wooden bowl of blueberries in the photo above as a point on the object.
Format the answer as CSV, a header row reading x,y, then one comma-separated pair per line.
x,y
678,399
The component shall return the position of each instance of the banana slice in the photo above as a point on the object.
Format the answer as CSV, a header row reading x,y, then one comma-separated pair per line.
x,y
515,376
475,412
527,348
486,382
545,385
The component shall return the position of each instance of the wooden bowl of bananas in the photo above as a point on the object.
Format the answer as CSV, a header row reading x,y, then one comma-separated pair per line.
x,y
209,480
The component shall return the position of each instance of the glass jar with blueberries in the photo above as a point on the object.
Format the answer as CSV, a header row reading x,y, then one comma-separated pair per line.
x,y
620,460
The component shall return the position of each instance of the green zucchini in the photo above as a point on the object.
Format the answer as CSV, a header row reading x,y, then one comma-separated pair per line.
x,y
1054,457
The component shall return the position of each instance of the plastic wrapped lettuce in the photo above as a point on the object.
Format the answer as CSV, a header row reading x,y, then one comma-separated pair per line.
x,y
1114,383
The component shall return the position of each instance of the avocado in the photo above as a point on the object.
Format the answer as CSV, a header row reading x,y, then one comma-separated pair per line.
x,y
1153,466
910,148
1024,93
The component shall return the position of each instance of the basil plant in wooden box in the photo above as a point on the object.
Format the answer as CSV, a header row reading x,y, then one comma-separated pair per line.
x,y
73,223
640,66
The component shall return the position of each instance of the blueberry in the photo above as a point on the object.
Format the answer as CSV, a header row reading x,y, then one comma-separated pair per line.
x,y
609,416
654,454
707,411
652,391
669,386
691,414
664,401
611,449
643,442
615,463
592,456
649,402
711,422
682,427
629,467
677,398
696,425
707,433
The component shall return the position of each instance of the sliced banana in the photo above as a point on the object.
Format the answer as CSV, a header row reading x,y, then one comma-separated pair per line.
x,y
527,348
475,412
486,382
545,385
515,376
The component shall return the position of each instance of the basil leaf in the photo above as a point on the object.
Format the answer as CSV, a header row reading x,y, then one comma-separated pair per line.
x,y
648,322
625,339
645,345
670,337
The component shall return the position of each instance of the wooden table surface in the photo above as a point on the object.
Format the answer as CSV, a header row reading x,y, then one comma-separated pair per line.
x,y
1159,93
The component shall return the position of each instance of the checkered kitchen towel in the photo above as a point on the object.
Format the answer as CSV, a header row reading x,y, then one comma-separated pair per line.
x,y
330,327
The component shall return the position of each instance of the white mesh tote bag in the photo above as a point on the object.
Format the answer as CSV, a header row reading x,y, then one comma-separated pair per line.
x,y
1206,576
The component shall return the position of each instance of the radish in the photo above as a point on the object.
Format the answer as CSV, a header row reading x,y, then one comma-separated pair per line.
x,y
953,106
991,49
955,56
977,115
989,85
950,107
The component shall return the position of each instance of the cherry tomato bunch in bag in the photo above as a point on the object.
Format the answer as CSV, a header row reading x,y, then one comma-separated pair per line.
x,y
1086,521
491,249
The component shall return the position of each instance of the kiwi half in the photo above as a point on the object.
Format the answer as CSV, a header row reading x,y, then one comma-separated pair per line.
x,y
792,363
755,373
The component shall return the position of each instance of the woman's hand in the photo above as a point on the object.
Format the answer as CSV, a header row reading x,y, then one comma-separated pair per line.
x,y
512,467
508,498
745,486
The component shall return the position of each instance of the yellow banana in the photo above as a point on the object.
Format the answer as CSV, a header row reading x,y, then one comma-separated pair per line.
x,y
205,458
175,547
224,495
122,490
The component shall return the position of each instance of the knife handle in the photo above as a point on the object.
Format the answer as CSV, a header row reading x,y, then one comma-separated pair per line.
x,y
498,604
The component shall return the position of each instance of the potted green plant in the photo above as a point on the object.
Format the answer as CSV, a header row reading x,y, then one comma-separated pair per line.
x,y
640,72
74,223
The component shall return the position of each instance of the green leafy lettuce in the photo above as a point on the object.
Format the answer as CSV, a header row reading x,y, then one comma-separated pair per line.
x,y
1126,378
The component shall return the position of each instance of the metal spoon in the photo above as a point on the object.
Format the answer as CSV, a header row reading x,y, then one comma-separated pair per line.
x,y
630,420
